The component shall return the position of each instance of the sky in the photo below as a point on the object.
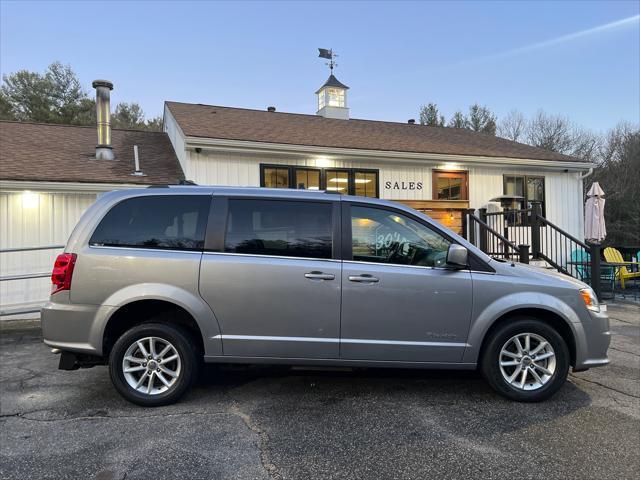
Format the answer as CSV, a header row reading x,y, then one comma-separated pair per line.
x,y
578,59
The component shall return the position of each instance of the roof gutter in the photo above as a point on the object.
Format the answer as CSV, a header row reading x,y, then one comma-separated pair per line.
x,y
585,175
280,148
71,187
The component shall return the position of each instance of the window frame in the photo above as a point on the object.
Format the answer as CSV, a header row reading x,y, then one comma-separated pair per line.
x,y
351,175
149,247
219,219
435,174
526,200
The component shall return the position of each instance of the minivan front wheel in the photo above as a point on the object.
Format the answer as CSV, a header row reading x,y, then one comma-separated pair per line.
x,y
152,364
526,360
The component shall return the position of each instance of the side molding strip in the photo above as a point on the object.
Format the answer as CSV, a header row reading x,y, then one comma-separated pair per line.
x,y
337,340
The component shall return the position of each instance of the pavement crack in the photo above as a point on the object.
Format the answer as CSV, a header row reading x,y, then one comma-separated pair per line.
x,y
605,386
624,351
263,441
635,324
24,416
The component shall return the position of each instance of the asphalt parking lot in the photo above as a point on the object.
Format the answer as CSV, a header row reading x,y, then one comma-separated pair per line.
x,y
267,422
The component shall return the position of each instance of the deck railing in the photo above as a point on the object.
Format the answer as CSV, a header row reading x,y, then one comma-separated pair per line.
x,y
525,235
34,306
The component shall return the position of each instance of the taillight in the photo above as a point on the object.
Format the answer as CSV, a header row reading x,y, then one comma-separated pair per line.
x,y
62,272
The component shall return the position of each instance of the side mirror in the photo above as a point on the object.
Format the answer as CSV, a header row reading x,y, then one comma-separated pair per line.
x,y
457,256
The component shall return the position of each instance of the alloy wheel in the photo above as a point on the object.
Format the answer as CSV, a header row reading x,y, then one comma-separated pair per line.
x,y
527,361
151,365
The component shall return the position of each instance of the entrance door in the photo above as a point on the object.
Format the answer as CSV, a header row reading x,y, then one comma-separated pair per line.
x,y
399,300
275,286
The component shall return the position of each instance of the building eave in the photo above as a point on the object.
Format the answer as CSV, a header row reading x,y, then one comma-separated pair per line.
x,y
69,187
290,149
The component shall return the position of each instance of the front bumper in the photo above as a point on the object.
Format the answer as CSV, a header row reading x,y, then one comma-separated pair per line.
x,y
593,337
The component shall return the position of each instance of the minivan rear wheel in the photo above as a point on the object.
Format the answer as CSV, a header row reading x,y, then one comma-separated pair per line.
x,y
526,360
153,364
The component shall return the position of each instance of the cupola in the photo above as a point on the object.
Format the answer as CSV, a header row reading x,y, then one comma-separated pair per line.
x,y
332,99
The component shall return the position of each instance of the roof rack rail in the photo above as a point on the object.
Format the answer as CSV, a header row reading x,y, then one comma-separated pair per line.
x,y
183,183
332,192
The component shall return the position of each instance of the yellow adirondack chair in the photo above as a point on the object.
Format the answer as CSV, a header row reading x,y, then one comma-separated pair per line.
x,y
614,256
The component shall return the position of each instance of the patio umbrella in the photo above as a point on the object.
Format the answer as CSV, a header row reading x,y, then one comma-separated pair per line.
x,y
594,227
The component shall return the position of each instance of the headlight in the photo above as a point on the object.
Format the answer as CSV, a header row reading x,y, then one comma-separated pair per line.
x,y
590,299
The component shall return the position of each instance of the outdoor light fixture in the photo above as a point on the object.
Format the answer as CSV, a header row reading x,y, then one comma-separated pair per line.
x,y
323,162
30,200
450,166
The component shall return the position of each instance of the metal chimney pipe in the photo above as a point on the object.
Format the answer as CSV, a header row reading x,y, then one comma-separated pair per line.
x,y
103,119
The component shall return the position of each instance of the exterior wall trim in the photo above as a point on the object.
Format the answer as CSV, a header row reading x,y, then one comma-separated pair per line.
x,y
253,147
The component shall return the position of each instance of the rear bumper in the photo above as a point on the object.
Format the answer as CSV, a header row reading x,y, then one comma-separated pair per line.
x,y
593,338
72,327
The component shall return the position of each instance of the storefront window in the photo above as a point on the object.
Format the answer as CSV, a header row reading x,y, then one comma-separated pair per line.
x,y
366,183
275,177
450,185
344,180
307,179
338,181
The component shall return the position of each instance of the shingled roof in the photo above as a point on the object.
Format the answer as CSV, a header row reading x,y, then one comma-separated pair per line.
x,y
212,121
64,153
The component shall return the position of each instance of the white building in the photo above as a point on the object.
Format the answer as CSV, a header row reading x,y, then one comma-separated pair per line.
x,y
439,170
50,174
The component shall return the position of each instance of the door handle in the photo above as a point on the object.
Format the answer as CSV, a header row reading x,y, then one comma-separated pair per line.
x,y
364,278
319,276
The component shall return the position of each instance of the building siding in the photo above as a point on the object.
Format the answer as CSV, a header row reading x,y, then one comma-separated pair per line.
x,y
563,190
50,221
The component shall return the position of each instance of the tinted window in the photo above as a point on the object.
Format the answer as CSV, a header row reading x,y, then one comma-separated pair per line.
x,y
168,221
282,228
385,236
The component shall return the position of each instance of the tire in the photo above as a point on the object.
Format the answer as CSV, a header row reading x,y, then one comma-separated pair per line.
x,y
501,359
163,383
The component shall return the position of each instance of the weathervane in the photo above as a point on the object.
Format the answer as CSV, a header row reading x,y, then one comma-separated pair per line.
x,y
329,55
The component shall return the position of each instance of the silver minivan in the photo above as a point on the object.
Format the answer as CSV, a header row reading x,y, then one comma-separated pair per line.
x,y
154,282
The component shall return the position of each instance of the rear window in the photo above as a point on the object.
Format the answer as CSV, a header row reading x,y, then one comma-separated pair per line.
x,y
175,222
279,228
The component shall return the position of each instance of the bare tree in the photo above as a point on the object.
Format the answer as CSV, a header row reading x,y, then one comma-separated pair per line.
x,y
618,172
513,126
551,132
586,144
